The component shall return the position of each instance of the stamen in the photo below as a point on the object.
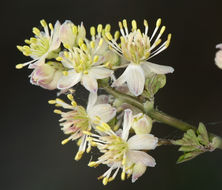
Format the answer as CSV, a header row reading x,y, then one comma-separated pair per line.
x,y
134,25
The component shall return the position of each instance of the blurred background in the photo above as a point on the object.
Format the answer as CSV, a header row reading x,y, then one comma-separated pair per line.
x,y
32,157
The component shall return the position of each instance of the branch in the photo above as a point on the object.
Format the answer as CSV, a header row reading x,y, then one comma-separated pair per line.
x,y
156,114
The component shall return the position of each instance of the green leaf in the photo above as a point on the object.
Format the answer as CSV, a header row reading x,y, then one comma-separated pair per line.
x,y
203,134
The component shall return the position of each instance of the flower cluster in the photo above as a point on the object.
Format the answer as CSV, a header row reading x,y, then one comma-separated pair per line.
x,y
62,56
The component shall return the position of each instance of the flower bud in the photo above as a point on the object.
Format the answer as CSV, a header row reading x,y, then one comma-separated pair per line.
x,y
142,124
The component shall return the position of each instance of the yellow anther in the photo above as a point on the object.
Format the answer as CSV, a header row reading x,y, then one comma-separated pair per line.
x,y
100,177
85,72
123,176
107,28
134,25
19,66
33,40
99,28
58,58
28,41
116,127
84,47
70,97
20,48
51,101
105,180
168,40
65,73
88,149
147,54
36,31
58,111
92,31
79,155
92,44
96,58
106,126
74,104
100,42
74,29
100,128
124,23
163,28
158,22
145,23
80,42
66,54
93,164
58,105
50,26
107,64
98,118
116,35
65,141
120,25
111,179
43,23
122,39
158,42
87,133
93,143
109,36
67,46
79,142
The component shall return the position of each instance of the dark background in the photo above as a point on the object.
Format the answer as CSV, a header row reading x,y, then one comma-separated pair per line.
x,y
32,157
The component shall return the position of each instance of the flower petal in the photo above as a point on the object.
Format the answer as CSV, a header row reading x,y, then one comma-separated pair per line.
x,y
142,142
70,80
91,100
100,72
135,79
155,68
55,43
127,122
90,83
138,170
105,111
66,34
134,156
219,46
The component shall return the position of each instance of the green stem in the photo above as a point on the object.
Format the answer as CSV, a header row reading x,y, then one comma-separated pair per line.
x,y
156,114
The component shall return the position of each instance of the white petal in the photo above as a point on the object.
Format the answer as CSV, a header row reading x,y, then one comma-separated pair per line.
x,y
105,111
55,43
142,142
127,122
138,170
90,83
155,68
100,72
135,79
91,100
70,80
66,34
140,157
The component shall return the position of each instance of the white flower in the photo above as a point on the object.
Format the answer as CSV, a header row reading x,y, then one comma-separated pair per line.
x,y
79,119
121,152
137,48
85,64
218,57
41,46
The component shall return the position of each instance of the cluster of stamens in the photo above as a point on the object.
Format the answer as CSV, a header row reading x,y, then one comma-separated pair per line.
x,y
136,46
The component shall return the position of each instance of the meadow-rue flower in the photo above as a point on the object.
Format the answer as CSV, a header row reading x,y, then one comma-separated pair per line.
x,y
137,48
218,57
122,152
41,46
70,34
79,119
84,66
47,75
